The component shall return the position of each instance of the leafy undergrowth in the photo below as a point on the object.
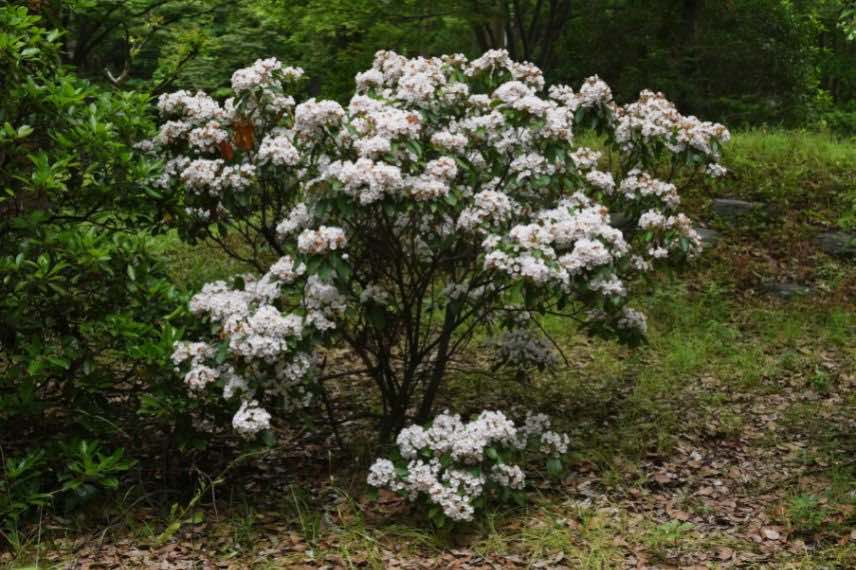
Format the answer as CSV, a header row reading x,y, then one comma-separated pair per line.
x,y
727,441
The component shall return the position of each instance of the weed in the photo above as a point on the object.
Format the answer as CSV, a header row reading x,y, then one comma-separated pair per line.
x,y
805,513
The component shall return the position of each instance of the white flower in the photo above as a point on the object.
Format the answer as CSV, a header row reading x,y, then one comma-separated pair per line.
x,y
207,137
585,158
410,440
492,59
195,352
322,240
278,150
511,476
443,168
234,384
512,91
610,285
440,459
263,335
716,170
263,73
592,93
250,419
652,219
200,376
197,108
311,116
638,185
632,319
554,443
323,302
297,219
370,181
449,141
381,473
285,269
488,206
370,78
602,180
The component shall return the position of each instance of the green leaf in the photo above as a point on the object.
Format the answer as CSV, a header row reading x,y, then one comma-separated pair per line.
x,y
24,131
373,494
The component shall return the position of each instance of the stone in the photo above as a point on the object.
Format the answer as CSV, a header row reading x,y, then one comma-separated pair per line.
x,y
841,244
708,236
786,290
732,210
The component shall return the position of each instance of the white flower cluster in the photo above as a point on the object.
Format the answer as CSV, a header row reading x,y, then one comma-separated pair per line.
x,y
198,108
278,150
251,419
631,319
323,303
655,118
256,336
297,219
214,149
366,179
311,117
263,73
594,92
452,463
639,185
566,241
322,240
206,176
489,207
585,158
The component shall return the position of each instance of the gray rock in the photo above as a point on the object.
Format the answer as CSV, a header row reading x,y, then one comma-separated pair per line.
x,y
708,236
786,290
841,244
732,210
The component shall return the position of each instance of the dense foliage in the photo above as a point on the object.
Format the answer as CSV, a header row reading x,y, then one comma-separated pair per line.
x,y
800,53
83,301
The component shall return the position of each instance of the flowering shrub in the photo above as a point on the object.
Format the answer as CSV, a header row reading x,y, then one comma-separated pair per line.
x,y
455,467
448,196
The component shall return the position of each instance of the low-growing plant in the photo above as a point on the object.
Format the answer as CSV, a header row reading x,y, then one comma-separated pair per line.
x,y
806,513
25,483
454,468
666,535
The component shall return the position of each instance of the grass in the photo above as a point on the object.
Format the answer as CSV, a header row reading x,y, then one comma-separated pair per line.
x,y
735,386
192,266
790,166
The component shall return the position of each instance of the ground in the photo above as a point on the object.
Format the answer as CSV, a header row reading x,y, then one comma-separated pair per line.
x,y
728,441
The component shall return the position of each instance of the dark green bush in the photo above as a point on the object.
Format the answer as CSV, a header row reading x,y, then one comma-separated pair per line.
x,y
84,305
